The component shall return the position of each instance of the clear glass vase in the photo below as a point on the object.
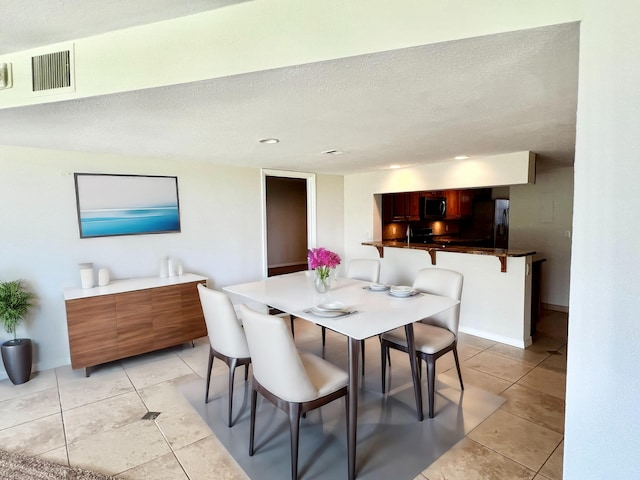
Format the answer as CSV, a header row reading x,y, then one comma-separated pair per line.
x,y
322,284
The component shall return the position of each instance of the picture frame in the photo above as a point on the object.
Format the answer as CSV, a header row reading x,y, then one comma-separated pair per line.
x,y
121,204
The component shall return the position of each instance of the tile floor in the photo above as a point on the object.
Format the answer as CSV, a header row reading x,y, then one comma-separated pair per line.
x,y
96,422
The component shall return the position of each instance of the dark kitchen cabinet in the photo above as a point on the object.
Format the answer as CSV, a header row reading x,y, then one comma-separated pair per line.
x,y
459,203
453,203
401,207
465,200
387,208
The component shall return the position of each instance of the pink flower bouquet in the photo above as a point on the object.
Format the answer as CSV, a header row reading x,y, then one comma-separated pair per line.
x,y
322,261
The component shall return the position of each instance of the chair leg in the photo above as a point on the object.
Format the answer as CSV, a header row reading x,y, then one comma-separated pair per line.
x,y
362,351
252,424
232,372
324,336
388,352
294,426
455,356
431,381
246,372
206,393
419,361
384,351
293,333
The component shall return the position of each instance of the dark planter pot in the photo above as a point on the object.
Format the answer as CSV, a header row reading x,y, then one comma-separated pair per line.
x,y
17,357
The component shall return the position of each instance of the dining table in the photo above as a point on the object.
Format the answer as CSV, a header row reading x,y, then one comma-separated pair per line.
x,y
366,310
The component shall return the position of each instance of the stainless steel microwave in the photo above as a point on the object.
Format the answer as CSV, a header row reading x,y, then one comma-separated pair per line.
x,y
432,208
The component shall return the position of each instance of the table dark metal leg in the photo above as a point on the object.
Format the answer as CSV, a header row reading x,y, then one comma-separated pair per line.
x,y
417,388
352,424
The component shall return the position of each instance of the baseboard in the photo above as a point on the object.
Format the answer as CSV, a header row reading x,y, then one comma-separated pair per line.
x,y
40,366
555,308
514,342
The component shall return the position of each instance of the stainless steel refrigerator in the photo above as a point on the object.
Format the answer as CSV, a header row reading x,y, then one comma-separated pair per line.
x,y
491,222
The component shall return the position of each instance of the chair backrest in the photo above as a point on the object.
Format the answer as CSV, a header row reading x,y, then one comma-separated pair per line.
x,y
367,269
276,363
225,331
447,283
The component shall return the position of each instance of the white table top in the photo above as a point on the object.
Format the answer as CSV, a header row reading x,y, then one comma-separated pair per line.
x,y
377,312
130,284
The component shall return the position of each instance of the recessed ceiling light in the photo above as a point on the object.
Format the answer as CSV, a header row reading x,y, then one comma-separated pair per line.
x,y
332,152
269,140
394,166
460,157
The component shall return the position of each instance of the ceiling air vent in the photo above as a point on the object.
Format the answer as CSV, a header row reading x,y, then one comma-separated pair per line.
x,y
52,72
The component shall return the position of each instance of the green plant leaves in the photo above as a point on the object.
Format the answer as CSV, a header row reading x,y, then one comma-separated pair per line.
x,y
15,302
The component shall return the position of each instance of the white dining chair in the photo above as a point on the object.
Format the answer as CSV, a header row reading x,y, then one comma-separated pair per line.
x,y
293,381
226,338
435,335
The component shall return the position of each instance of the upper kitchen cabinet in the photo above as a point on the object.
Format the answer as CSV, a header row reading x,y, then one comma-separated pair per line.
x,y
401,207
460,202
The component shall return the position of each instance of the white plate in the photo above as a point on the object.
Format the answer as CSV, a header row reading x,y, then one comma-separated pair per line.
x,y
330,307
403,294
378,287
329,313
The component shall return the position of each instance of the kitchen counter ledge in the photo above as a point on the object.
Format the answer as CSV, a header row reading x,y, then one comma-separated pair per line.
x,y
431,249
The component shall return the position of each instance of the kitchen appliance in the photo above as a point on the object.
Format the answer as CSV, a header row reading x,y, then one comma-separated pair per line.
x,y
491,223
433,208
421,235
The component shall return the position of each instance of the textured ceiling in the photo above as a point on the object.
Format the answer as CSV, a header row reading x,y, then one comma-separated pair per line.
x,y
481,96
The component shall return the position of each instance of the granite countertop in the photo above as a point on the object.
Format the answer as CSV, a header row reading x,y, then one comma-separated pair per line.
x,y
498,252
431,249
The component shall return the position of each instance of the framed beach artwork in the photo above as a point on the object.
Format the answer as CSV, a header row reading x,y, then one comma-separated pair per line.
x,y
111,205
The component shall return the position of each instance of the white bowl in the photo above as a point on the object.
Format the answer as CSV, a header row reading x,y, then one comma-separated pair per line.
x,y
401,291
330,307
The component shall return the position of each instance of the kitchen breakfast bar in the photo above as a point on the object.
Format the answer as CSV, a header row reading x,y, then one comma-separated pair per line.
x,y
497,292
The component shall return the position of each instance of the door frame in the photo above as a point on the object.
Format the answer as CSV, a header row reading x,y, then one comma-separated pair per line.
x,y
311,208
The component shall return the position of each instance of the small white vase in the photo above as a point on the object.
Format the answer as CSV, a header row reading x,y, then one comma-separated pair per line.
x,y
164,267
86,275
103,277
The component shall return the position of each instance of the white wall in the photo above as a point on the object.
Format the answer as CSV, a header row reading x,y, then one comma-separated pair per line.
x,y
602,424
540,215
220,218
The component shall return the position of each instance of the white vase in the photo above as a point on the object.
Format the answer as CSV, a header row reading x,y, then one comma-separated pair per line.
x,y
86,275
103,277
164,267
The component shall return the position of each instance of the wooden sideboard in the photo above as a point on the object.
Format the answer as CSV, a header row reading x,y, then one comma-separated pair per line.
x,y
133,316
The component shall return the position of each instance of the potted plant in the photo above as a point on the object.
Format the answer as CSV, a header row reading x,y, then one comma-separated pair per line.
x,y
15,303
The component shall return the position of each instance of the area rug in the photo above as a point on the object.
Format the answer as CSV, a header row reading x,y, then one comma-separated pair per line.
x,y
392,443
20,467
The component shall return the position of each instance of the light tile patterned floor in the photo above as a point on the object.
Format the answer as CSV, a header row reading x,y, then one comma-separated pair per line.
x,y
96,422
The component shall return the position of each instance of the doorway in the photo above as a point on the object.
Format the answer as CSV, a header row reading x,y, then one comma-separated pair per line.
x,y
289,231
